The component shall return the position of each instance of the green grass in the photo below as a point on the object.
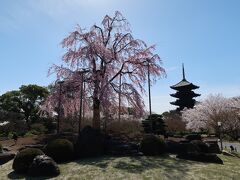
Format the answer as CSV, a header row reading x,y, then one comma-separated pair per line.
x,y
140,168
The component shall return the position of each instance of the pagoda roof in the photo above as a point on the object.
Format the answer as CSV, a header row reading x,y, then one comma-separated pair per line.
x,y
190,93
184,83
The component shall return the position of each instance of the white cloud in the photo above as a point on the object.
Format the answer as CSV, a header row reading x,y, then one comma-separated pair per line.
x,y
22,13
171,69
160,103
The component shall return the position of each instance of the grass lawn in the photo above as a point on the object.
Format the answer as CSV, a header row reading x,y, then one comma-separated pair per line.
x,y
140,168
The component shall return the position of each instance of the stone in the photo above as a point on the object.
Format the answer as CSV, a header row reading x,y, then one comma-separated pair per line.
x,y
43,166
173,147
213,147
5,157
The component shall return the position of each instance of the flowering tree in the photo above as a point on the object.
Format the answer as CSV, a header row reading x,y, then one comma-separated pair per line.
x,y
215,109
110,52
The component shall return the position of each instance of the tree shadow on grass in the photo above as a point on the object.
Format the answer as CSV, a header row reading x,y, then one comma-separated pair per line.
x,y
100,162
170,166
13,175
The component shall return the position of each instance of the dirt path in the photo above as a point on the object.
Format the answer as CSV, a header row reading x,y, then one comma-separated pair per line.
x,y
21,142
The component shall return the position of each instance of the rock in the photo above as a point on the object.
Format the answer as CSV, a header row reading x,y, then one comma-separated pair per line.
x,y
5,157
172,147
182,147
202,146
187,148
201,157
6,149
213,147
43,166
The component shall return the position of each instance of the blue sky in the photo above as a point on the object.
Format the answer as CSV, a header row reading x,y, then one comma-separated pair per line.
x,y
204,35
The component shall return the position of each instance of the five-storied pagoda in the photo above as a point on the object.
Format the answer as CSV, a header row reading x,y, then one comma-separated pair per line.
x,y
185,94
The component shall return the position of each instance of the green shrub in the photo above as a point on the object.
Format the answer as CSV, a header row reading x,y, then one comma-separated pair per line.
x,y
24,159
60,150
10,135
38,128
152,146
192,137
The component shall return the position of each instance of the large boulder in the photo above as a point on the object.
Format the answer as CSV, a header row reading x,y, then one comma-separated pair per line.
x,y
194,146
5,157
43,166
201,157
213,147
90,143
24,159
60,150
188,148
152,146
202,146
173,147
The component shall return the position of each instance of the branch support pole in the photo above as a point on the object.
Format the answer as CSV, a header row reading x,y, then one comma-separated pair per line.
x,y
59,106
149,98
119,98
80,105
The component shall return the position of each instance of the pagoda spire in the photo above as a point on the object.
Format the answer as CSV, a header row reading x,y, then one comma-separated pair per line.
x,y
183,71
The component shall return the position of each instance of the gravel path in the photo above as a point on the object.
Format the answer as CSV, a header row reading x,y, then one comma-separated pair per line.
x,y
228,144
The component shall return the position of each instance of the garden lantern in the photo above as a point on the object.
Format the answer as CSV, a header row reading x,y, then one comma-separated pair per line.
x,y
220,133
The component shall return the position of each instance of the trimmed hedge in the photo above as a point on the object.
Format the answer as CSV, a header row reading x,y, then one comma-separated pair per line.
x,y
60,150
24,159
152,146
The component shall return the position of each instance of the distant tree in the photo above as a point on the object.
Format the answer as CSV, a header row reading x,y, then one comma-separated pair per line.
x,y
212,110
26,101
11,101
154,124
110,52
173,121
32,96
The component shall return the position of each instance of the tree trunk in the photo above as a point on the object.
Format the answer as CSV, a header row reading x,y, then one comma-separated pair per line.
x,y
96,113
